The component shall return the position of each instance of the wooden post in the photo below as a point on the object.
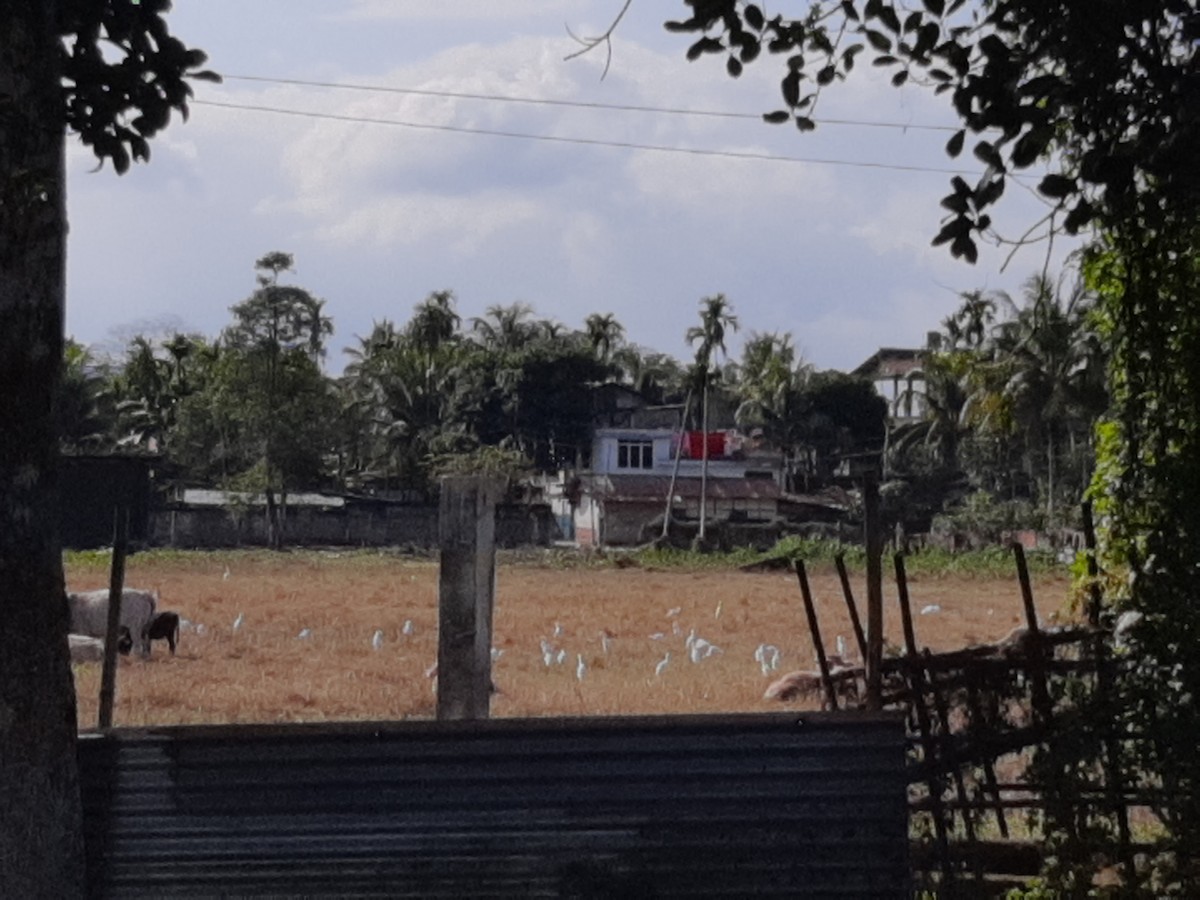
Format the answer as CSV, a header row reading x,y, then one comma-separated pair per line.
x,y
810,611
116,587
851,607
466,591
915,665
1095,596
873,539
1037,657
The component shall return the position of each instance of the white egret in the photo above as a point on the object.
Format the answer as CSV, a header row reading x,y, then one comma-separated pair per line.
x,y
377,639
662,665
580,667
304,634
408,627
237,623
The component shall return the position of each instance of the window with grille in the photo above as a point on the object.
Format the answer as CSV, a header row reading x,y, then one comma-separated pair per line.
x,y
635,454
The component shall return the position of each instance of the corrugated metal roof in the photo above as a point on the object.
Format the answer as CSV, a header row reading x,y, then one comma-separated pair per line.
x,y
655,487
754,805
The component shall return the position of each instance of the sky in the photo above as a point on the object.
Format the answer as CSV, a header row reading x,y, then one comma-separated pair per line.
x,y
828,240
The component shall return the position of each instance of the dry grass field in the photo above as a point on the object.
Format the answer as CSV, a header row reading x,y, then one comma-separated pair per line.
x,y
266,671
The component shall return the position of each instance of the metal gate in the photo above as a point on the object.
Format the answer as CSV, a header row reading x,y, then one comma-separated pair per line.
x,y
687,806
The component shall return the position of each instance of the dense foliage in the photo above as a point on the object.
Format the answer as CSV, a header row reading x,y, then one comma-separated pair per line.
x,y
1102,97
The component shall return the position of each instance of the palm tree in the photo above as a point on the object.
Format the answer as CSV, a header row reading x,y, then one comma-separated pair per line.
x,y
771,388
434,320
1043,376
505,328
716,317
604,334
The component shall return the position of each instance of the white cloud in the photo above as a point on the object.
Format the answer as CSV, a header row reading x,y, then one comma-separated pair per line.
x,y
456,10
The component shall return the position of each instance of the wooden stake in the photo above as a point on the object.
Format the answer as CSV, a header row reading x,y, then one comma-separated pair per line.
x,y
814,629
1037,667
116,587
851,607
873,539
466,589
916,673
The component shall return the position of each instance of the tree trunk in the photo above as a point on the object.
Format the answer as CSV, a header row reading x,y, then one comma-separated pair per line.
x,y
703,462
41,844
666,529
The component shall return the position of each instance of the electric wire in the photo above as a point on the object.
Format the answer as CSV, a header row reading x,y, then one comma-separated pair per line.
x,y
576,104
590,142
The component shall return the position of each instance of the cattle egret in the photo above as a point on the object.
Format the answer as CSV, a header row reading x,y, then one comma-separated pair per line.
x,y
605,643
561,658
717,611
840,643
580,667
674,611
930,609
304,633
225,577
702,649
691,639
675,629
557,630
496,653
200,629
377,639
408,627
657,636
547,653
662,666
237,623
767,656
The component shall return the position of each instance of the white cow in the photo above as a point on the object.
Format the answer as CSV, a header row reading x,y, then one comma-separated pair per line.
x,y
86,649
89,614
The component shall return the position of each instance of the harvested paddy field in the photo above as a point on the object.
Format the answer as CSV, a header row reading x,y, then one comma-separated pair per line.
x,y
307,646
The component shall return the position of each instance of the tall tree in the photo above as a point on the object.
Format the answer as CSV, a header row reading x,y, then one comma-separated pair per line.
x,y
111,72
271,363
716,318
605,334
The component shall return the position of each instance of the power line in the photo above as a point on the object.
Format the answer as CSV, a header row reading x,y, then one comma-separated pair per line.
x,y
590,142
577,104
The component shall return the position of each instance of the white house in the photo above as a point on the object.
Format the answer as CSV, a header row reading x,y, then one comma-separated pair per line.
x,y
625,491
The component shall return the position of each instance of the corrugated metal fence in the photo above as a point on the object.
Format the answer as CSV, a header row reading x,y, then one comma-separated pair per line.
x,y
746,805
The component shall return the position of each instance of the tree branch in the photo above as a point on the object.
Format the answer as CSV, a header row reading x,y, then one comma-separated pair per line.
x,y
590,44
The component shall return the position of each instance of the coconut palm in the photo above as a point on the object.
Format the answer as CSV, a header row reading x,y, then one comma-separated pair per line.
x,y
716,318
605,335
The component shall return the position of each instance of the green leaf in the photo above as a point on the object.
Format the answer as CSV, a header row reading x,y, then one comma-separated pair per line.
x,y
804,123
733,66
849,11
887,15
778,117
1057,186
899,78
955,144
879,40
987,154
963,247
791,87
936,7
1031,145
826,75
754,16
